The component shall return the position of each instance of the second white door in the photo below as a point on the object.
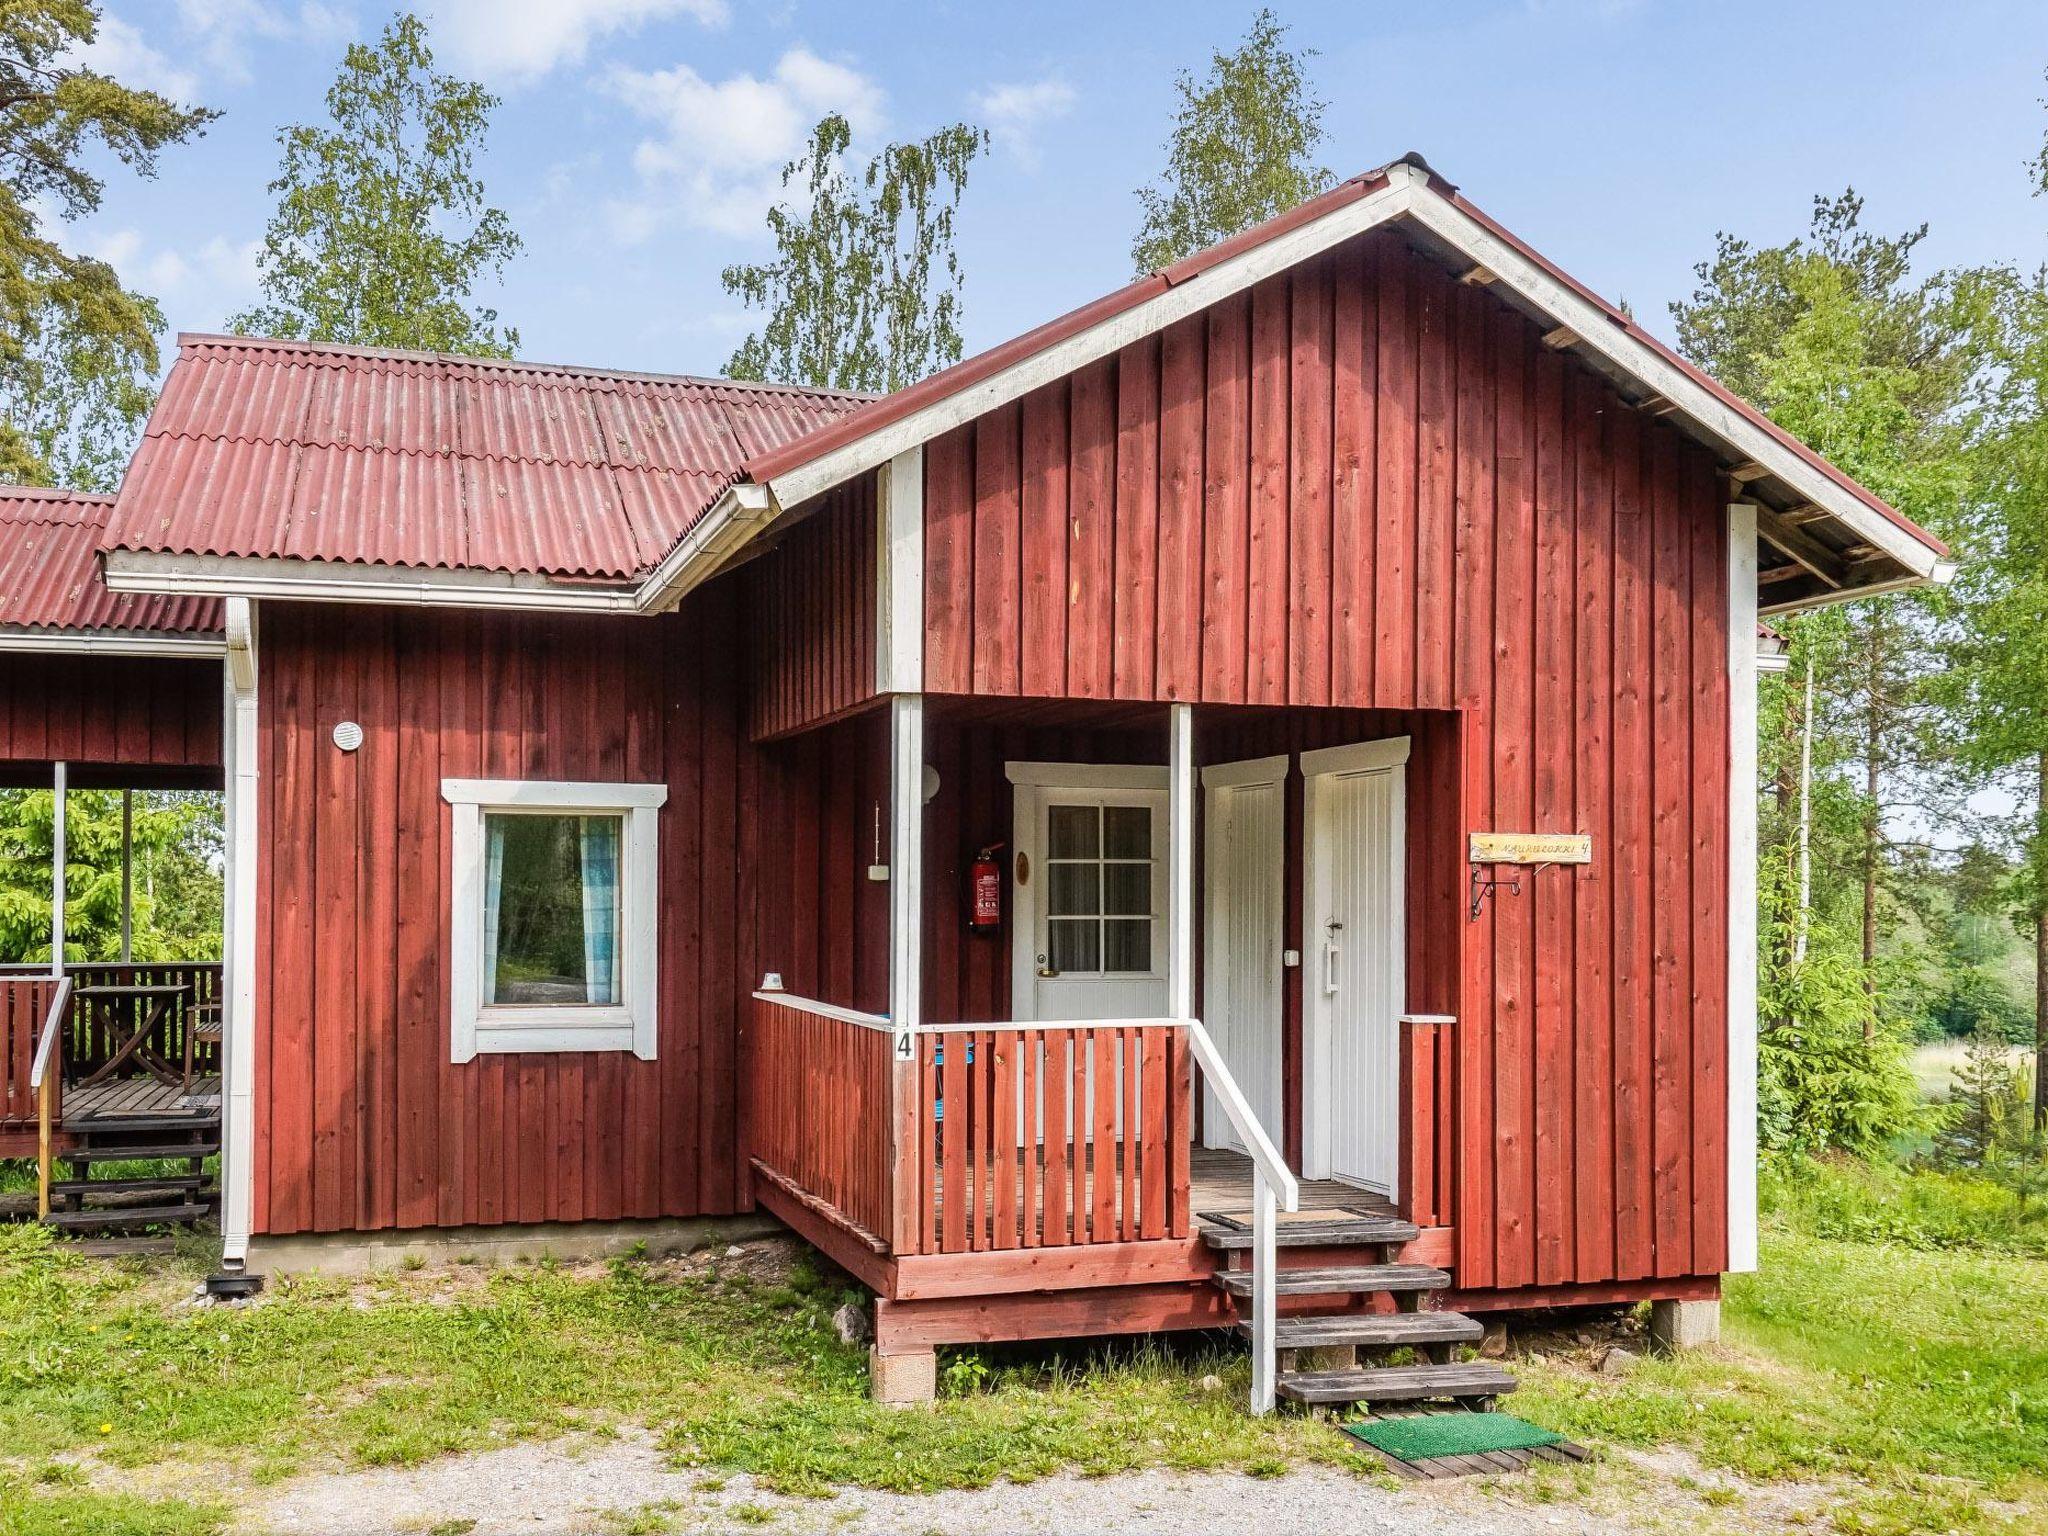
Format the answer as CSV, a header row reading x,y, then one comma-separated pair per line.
x,y
1354,937
1244,828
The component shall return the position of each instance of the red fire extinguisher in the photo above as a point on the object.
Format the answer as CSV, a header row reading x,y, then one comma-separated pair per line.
x,y
985,891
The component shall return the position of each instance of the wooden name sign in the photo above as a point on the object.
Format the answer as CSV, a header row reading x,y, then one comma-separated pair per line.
x,y
1531,848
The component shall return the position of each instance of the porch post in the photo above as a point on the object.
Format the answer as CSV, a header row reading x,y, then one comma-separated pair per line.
x,y
906,962
59,854
127,875
239,938
1742,896
1180,820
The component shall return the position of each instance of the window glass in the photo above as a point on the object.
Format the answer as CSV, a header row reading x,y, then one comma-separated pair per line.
x,y
1098,903
551,910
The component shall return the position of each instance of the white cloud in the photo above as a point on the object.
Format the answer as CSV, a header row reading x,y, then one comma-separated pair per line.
x,y
222,31
121,51
197,287
519,40
715,152
1013,113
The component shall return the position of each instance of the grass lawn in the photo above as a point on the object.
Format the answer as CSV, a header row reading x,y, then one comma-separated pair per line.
x,y
1917,1381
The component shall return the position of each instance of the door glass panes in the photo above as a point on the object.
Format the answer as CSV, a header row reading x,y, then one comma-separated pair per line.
x,y
1098,880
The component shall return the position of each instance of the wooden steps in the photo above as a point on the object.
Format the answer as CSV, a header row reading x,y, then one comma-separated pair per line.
x,y
1403,1319
1377,1330
1475,1380
1341,1279
1323,1229
145,1151
127,1217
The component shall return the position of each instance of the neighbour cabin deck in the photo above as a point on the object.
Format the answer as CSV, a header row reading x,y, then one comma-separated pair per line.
x,y
78,1038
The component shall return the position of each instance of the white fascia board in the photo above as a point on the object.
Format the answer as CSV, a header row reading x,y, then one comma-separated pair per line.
x,y
111,642
325,581
1598,332
1100,340
741,511
242,757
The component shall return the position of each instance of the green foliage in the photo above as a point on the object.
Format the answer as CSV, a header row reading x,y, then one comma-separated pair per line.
x,y
1934,1209
382,233
1242,148
864,290
1822,1082
78,351
177,850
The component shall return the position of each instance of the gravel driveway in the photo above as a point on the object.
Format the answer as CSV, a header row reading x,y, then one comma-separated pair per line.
x,y
627,1486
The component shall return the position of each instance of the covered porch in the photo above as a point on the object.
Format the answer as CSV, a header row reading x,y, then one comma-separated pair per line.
x,y
1012,1112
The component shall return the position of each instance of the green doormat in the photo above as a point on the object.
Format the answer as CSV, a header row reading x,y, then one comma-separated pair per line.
x,y
1427,1436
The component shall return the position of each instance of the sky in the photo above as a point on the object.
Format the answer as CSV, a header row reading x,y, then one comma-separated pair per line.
x,y
638,142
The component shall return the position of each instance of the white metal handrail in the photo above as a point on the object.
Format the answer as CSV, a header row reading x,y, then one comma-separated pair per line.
x,y
822,1010
1274,1188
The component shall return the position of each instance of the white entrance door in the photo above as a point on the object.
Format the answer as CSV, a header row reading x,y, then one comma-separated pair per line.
x,y
1245,824
1354,944
1091,890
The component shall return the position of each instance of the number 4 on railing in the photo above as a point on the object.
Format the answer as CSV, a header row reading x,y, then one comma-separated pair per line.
x,y
906,1045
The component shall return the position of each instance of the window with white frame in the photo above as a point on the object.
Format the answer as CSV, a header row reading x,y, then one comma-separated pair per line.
x,y
553,924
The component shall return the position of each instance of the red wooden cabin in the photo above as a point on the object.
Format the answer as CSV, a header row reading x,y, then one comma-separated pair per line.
x,y
999,824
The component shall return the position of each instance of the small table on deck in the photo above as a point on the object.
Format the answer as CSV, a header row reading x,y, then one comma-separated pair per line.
x,y
152,1004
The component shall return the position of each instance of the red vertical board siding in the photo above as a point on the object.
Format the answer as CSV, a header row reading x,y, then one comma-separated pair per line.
x,y
1225,503
1311,381
811,600
137,712
1267,554
1091,541
368,1124
1182,398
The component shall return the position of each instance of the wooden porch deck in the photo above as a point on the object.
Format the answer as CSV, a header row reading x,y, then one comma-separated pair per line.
x,y
1221,1181
143,1100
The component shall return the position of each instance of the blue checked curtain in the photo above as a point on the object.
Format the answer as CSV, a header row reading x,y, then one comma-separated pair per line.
x,y
601,908
494,878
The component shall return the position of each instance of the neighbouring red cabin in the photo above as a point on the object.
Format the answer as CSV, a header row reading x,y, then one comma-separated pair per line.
x,y
1265,739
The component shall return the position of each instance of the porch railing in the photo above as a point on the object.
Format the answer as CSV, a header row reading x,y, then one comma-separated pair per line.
x,y
46,1082
1038,1135
1051,1135
818,1106
1428,1056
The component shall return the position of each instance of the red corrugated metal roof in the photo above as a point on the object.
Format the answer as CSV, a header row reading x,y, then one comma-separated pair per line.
x,y
291,450
49,571
783,458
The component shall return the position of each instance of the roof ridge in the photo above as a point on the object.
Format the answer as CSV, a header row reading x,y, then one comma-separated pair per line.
x,y
54,493
337,350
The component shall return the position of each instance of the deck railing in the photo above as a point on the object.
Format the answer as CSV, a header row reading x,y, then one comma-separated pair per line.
x,y
1428,1057
90,1042
46,1082
24,1006
1050,1135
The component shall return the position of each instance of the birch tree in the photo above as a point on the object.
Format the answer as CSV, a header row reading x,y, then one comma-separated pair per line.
x,y
864,290
1242,149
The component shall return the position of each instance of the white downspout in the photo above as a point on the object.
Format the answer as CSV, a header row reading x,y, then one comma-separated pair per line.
x,y
1742,917
238,940
60,777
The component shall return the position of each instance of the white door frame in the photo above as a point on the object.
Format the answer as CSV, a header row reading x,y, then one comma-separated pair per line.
x,y
1317,1110
1030,781
1217,1130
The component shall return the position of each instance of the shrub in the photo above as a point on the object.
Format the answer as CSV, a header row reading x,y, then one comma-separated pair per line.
x,y
1831,1075
1853,1200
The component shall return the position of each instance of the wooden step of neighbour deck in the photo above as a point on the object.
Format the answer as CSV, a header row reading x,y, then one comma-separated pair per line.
x,y
1395,1383
104,1150
123,1247
1320,1229
1343,1279
1378,1330
126,1217
187,1184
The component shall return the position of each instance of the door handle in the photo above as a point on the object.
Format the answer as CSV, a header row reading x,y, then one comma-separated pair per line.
x,y
1046,971
1331,954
